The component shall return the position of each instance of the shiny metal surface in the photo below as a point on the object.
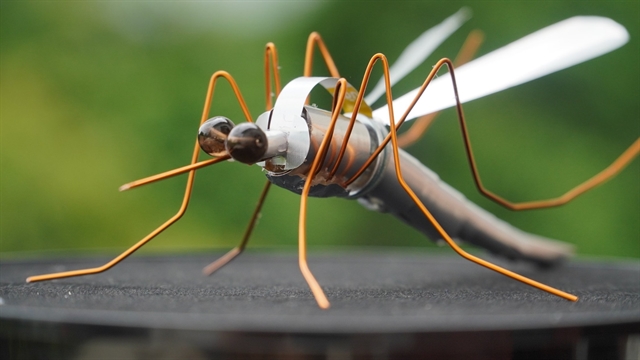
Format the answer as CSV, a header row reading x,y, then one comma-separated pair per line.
x,y
378,189
364,139
461,219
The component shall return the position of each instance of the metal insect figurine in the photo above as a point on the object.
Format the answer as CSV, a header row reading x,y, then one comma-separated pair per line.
x,y
345,152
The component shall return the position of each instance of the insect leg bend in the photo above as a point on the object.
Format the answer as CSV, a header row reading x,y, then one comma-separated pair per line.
x,y
271,62
420,125
225,259
387,139
188,189
435,223
315,39
339,95
455,246
612,170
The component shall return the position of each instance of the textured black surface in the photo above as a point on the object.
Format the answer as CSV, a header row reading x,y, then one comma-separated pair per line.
x,y
370,292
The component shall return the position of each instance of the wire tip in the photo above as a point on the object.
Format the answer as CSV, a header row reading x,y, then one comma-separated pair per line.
x,y
324,305
124,187
28,280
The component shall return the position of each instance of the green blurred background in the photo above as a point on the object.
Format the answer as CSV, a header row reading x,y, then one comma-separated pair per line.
x,y
96,94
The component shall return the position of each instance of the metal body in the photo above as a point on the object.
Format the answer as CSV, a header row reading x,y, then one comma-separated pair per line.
x,y
378,189
460,218
365,138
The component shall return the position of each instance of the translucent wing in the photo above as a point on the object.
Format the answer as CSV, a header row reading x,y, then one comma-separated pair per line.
x,y
553,48
418,51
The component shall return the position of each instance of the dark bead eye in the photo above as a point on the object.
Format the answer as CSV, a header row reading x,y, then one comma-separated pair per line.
x,y
213,133
247,143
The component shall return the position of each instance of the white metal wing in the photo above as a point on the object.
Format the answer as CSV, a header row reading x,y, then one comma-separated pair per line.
x,y
548,50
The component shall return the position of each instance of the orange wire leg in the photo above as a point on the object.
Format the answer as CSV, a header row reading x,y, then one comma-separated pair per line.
x,y
225,259
347,134
394,140
469,47
314,38
419,127
270,62
620,163
174,172
387,139
185,200
319,295
271,58
417,130
613,169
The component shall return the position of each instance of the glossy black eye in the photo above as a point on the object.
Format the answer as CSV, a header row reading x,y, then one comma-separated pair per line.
x,y
213,133
247,143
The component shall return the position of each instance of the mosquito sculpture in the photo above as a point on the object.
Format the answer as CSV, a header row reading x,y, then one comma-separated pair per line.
x,y
345,152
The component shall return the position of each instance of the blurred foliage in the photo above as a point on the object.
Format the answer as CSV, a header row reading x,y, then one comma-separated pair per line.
x,y
96,94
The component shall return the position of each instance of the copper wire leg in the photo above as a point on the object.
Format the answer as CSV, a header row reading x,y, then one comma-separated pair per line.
x,y
319,295
315,38
174,172
612,170
187,193
417,130
620,163
419,127
473,41
387,139
270,64
394,141
225,259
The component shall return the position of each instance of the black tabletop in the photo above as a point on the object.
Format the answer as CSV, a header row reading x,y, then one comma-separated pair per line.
x,y
371,292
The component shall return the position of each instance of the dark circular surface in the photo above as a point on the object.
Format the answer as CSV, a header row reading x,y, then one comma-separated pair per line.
x,y
212,135
370,292
247,143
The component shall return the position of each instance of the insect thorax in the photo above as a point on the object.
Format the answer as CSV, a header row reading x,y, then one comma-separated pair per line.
x,y
364,139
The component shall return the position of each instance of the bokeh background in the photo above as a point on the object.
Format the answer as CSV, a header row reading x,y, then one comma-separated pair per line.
x,y
97,94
